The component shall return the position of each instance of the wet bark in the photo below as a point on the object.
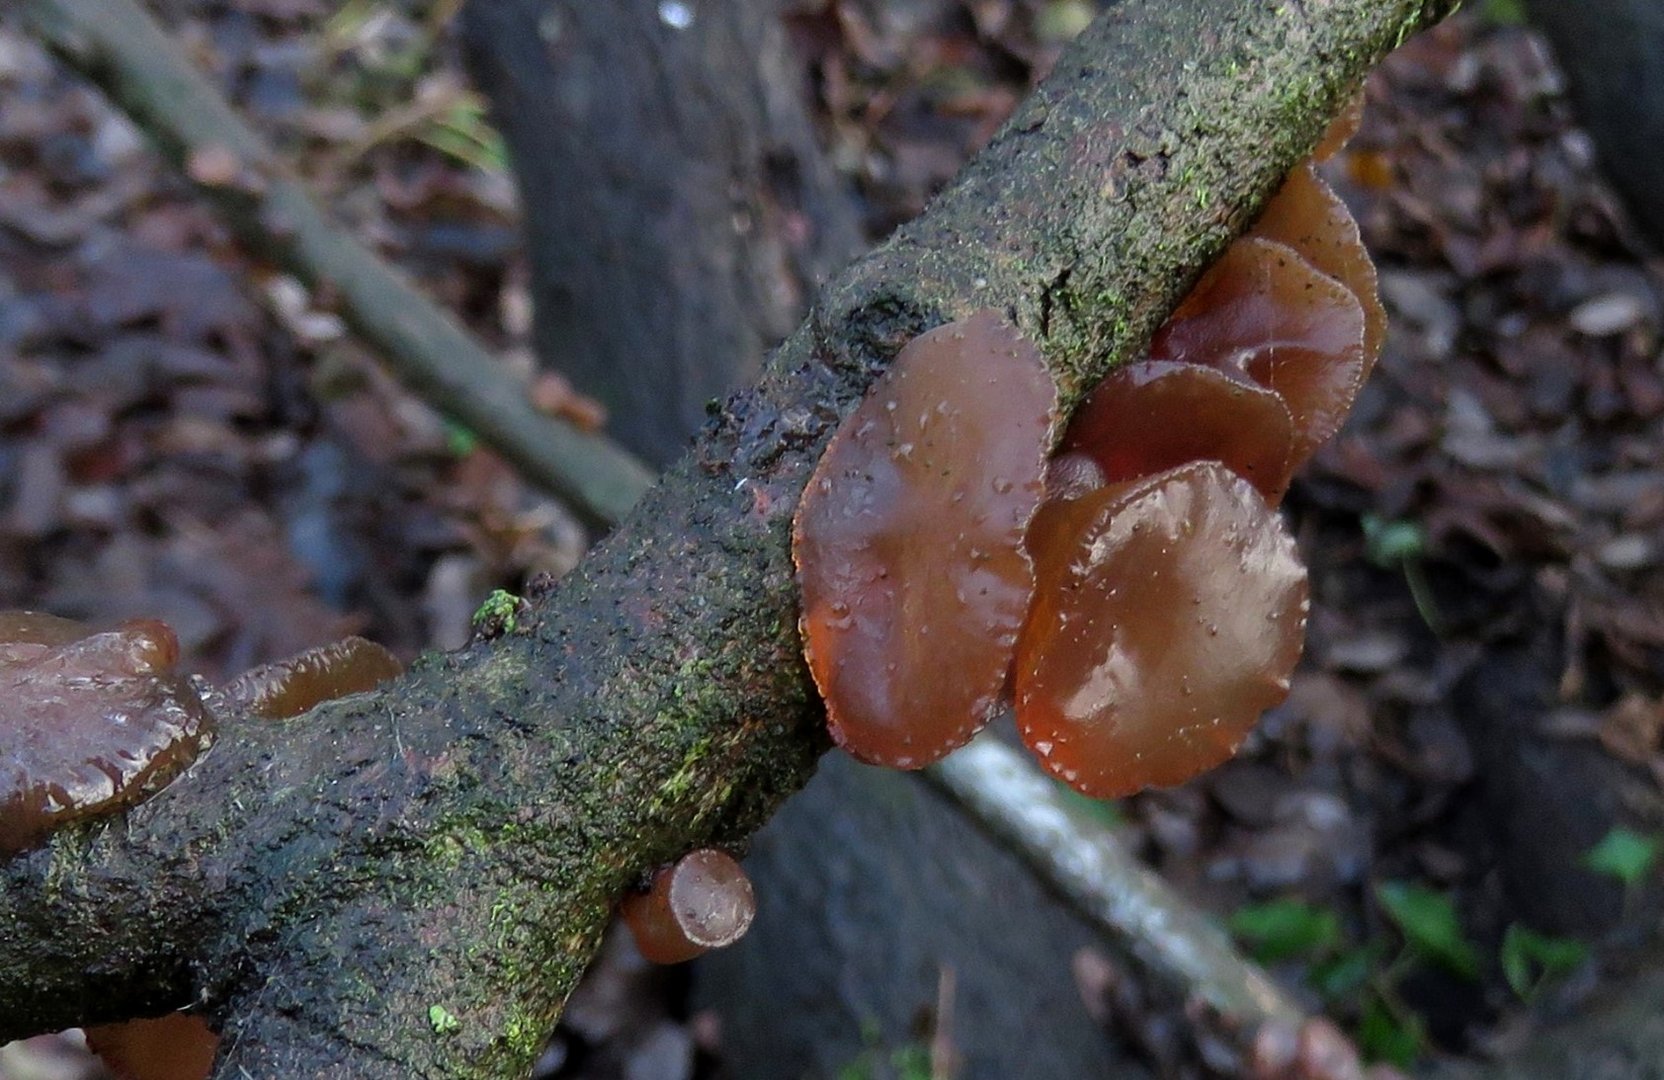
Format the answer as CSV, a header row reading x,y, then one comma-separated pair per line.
x,y
408,883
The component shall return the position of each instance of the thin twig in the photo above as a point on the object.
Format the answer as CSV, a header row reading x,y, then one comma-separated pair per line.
x,y
119,46
1172,943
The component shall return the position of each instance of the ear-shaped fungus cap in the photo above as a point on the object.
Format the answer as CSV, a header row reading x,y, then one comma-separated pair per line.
x,y
909,542
1169,613
704,901
1263,310
289,687
1155,415
90,724
1309,217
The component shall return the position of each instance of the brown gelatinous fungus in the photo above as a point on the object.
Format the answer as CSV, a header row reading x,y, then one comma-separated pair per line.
x,y
703,901
909,542
89,723
1169,613
1309,217
178,1046
1263,310
1341,129
1155,415
290,687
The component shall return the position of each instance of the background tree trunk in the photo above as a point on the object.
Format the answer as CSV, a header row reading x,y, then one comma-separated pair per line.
x,y
1613,52
679,213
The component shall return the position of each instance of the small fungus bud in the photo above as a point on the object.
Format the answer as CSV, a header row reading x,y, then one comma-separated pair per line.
x,y
909,542
290,687
701,902
177,1046
89,723
1263,310
1155,415
1169,613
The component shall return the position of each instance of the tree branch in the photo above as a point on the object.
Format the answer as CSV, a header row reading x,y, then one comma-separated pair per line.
x,y
123,50
455,840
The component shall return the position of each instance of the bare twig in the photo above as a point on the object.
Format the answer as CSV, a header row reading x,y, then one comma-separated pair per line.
x,y
119,46
1172,943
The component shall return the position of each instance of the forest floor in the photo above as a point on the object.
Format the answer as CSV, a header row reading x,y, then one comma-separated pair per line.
x,y
187,433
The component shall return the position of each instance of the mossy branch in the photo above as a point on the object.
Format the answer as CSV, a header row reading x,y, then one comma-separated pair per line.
x,y
452,844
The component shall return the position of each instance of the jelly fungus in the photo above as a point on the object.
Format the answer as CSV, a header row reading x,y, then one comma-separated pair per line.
x,y
1341,129
1309,217
703,901
290,687
1263,310
89,722
1169,613
173,1047
909,542
1155,415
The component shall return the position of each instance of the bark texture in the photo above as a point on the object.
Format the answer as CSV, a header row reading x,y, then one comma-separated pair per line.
x,y
407,883
679,212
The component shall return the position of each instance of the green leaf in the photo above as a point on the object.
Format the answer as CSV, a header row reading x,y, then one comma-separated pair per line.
x,y
1502,12
1282,929
1623,854
1344,975
1429,923
1385,1037
1530,959
1388,543
911,1062
459,440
